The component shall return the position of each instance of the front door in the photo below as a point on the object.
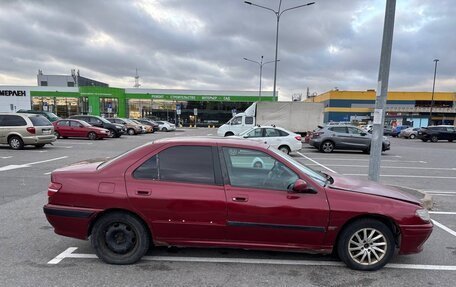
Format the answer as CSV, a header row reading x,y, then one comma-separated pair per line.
x,y
180,192
260,208
358,138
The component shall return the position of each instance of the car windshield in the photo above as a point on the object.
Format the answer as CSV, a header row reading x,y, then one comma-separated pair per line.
x,y
319,177
104,120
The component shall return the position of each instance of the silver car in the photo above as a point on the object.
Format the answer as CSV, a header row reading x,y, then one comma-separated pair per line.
x,y
409,133
345,137
19,130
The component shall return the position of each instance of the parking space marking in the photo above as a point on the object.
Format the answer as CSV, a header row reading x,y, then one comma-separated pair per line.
x,y
365,159
76,143
450,231
17,166
68,253
441,192
308,158
47,173
442,212
399,175
401,167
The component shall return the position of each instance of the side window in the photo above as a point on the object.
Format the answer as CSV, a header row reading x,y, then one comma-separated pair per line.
x,y
282,133
272,133
249,120
342,130
74,124
98,122
236,121
255,169
148,170
192,164
63,124
256,133
1,120
13,121
354,131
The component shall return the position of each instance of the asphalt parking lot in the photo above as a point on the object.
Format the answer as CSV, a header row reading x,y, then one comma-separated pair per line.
x,y
32,255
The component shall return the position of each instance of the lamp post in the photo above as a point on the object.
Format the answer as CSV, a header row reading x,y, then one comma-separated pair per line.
x,y
278,13
261,64
433,87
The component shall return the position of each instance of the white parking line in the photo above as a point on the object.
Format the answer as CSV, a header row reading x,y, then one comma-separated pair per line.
x,y
365,159
17,166
5,157
68,253
74,143
400,167
450,231
407,176
47,173
442,212
438,191
316,162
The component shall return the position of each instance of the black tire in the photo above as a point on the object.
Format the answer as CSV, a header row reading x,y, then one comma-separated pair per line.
x,y
131,132
412,136
92,136
424,140
367,151
359,257
111,228
57,134
228,134
327,147
16,143
284,149
164,129
450,141
39,145
112,133
434,139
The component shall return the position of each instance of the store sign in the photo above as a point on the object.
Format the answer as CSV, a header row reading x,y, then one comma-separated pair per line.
x,y
12,93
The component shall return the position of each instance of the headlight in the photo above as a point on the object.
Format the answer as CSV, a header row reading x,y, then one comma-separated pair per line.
x,y
423,214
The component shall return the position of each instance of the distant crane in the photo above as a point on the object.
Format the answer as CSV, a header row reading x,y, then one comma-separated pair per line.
x,y
137,84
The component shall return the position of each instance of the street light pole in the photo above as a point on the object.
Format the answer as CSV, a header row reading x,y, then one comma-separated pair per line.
x,y
278,13
261,64
433,87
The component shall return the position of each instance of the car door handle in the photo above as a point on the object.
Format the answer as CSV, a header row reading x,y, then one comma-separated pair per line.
x,y
143,192
240,199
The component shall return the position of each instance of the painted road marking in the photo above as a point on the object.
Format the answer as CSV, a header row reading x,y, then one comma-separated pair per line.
x,y
17,166
47,173
450,231
442,212
75,143
306,157
401,167
5,157
410,176
68,253
437,191
364,159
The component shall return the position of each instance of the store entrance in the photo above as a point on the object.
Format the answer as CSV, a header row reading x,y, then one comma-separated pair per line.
x,y
109,107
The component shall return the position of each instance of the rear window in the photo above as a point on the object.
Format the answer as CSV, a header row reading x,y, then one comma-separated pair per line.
x,y
39,121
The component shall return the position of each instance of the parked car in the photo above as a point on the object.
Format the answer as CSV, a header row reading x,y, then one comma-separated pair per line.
x,y
277,137
48,115
397,130
206,192
132,128
145,128
77,128
148,122
19,129
165,126
115,130
409,133
387,131
329,138
436,133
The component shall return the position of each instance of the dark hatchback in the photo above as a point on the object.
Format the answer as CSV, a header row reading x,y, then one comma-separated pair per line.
x,y
115,130
436,133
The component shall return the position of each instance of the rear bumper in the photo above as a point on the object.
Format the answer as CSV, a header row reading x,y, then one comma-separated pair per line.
x,y
315,143
39,139
70,221
413,237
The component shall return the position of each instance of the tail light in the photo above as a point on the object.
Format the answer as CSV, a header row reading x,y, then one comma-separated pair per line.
x,y
53,187
316,134
298,138
31,130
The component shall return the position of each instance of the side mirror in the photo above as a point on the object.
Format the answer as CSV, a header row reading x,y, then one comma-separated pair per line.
x,y
363,134
301,186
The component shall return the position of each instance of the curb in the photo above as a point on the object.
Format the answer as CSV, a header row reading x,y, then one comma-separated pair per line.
x,y
425,198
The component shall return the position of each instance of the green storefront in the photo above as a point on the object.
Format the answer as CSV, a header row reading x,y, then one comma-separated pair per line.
x,y
211,107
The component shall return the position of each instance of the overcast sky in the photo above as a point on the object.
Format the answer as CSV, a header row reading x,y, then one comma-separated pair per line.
x,y
200,44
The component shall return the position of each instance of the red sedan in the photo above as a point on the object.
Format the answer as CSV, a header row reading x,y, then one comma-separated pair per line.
x,y
210,192
77,128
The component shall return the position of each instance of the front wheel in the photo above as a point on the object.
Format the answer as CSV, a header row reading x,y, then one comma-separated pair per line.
x,y
284,149
112,133
434,139
16,142
164,129
92,136
57,134
366,244
131,132
327,147
228,134
412,136
120,238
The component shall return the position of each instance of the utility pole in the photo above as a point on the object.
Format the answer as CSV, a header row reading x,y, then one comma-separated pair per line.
x,y
382,92
433,88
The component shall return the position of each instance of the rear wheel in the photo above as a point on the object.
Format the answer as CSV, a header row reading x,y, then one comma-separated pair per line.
x,y
112,133
327,147
284,149
120,238
16,142
92,136
164,129
57,134
434,139
131,132
412,136
366,244
228,134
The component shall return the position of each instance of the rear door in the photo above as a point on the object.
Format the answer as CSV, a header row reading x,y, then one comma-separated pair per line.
x,y
272,137
179,190
340,136
63,128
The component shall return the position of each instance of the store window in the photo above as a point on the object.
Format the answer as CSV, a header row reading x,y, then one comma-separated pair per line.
x,y
109,107
61,106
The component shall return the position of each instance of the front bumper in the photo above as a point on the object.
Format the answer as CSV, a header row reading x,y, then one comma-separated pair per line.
x,y
413,237
70,221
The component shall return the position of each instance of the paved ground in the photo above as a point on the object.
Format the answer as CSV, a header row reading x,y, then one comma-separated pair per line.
x,y
27,242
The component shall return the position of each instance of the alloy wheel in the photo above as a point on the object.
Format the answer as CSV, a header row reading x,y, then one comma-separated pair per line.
x,y
367,246
15,143
327,147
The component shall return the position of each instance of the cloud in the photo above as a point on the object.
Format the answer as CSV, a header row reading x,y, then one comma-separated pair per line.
x,y
200,44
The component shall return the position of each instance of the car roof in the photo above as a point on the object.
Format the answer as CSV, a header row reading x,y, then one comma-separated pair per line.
x,y
209,140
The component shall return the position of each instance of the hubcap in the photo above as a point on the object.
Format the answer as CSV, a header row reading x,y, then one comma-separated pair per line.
x,y
15,143
367,246
120,238
327,147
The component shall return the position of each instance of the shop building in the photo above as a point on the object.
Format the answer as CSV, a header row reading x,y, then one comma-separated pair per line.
x,y
412,108
186,106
